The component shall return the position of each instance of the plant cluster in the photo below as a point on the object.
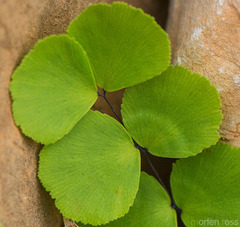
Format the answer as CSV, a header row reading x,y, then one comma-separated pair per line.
x,y
90,163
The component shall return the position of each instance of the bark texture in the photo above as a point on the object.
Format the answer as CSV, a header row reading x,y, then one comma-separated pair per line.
x,y
23,201
205,37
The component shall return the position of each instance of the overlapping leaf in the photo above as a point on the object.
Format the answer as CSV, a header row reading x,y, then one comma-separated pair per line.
x,y
207,187
52,89
151,207
173,115
93,172
124,45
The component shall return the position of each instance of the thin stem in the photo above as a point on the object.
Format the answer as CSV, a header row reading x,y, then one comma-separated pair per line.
x,y
105,98
144,151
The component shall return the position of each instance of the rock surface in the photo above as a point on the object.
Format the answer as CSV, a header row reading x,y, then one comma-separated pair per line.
x,y
23,201
205,37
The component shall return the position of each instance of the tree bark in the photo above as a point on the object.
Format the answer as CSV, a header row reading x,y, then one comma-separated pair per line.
x,y
205,37
23,201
